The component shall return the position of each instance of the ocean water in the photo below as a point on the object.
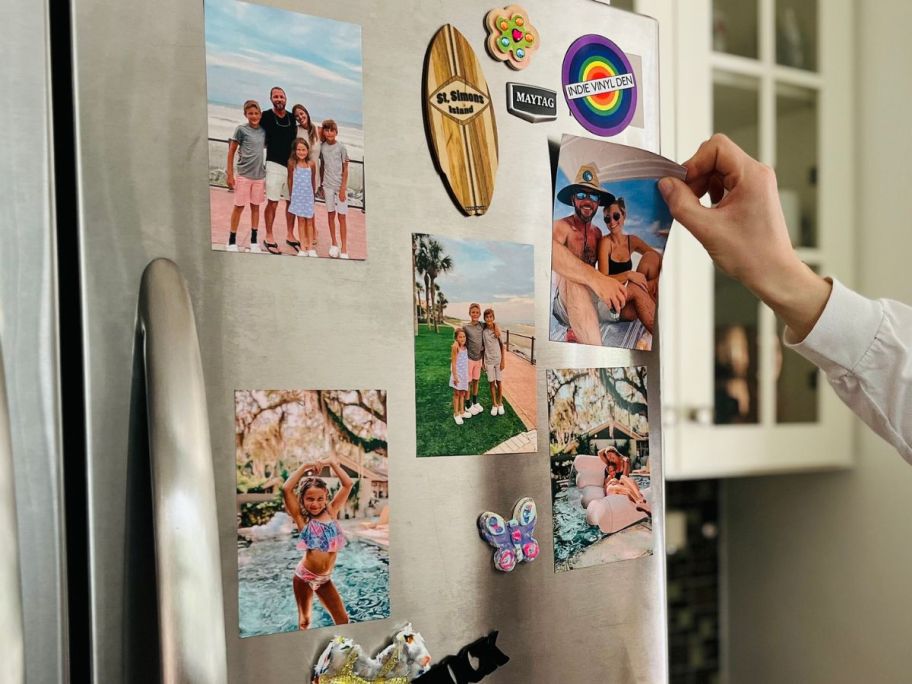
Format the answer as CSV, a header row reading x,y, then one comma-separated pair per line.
x,y
224,119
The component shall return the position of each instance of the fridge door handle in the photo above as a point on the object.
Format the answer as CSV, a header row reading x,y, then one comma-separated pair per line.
x,y
188,565
12,642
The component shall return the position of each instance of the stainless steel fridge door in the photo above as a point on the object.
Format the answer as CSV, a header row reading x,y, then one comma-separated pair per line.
x,y
28,336
267,322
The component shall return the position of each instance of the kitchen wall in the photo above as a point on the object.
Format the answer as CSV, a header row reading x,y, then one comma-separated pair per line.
x,y
819,565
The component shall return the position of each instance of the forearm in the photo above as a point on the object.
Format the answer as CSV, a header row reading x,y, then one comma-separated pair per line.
x,y
344,177
343,476
796,294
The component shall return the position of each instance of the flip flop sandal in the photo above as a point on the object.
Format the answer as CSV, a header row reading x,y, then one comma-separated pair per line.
x,y
294,244
272,247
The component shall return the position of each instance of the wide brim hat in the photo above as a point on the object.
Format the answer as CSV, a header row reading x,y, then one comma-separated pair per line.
x,y
587,181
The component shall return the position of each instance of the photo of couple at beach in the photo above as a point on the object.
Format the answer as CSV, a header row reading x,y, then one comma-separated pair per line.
x,y
601,478
286,159
312,508
610,227
474,324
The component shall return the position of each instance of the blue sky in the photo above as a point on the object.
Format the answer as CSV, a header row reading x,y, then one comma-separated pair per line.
x,y
250,48
646,210
495,274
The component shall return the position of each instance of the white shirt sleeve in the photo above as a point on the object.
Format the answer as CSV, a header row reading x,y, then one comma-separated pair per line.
x,y
865,348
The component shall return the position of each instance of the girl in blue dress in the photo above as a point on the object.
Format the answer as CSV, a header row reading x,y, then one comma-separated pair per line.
x,y
459,375
302,184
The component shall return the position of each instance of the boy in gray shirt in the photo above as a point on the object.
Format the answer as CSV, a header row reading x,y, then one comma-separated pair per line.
x,y
248,142
335,185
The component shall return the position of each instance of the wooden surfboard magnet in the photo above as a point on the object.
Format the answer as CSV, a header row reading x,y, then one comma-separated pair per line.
x,y
459,121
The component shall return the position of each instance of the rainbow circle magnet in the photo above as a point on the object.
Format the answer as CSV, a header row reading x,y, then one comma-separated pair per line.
x,y
599,85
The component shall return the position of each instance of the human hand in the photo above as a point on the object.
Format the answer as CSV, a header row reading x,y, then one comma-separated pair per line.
x,y
636,278
503,362
610,291
231,181
745,233
342,195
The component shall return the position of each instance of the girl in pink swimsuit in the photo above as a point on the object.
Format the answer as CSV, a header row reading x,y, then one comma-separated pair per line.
x,y
320,537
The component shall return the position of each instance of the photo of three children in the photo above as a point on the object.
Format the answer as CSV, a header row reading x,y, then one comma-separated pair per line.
x,y
461,330
281,159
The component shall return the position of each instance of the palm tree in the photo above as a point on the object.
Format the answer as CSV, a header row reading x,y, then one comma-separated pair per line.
x,y
417,240
418,288
434,262
441,305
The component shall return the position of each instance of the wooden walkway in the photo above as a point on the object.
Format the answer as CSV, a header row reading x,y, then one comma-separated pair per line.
x,y
222,203
520,389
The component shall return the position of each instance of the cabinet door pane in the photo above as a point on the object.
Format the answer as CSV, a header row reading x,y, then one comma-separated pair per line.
x,y
734,27
796,33
796,161
736,107
737,325
796,385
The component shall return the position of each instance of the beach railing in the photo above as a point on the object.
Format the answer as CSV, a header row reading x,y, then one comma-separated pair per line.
x,y
218,174
521,348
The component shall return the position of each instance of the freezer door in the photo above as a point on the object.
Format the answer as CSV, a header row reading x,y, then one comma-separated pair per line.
x,y
28,331
272,322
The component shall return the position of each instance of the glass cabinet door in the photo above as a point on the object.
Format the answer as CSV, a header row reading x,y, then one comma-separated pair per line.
x,y
770,75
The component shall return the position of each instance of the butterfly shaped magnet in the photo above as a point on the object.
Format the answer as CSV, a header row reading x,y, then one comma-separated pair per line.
x,y
512,538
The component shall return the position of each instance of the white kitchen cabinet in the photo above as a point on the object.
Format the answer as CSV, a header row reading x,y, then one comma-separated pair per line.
x,y
774,76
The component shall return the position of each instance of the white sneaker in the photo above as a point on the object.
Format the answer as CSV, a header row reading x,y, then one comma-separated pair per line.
x,y
458,420
312,252
303,253
500,410
476,409
334,251
467,414
343,255
255,248
493,410
231,248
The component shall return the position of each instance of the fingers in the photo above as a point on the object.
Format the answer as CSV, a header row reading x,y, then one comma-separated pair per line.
x,y
684,206
718,156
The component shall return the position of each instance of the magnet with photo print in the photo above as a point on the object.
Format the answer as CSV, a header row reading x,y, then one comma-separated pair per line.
x,y
511,36
459,121
531,103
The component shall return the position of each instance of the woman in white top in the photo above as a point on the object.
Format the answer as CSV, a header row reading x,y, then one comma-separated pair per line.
x,y
308,130
863,346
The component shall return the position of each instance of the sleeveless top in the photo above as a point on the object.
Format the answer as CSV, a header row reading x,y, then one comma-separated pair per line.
x,y
615,267
321,536
302,195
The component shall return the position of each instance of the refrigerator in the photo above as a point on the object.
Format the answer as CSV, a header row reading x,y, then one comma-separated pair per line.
x,y
122,480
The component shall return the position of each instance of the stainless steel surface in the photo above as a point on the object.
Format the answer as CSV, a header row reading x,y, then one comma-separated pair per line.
x,y
12,631
28,328
273,322
189,583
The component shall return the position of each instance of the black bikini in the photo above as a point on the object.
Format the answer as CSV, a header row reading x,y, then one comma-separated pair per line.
x,y
615,267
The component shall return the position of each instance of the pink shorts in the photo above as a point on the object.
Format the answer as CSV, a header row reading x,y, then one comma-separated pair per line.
x,y
474,370
247,191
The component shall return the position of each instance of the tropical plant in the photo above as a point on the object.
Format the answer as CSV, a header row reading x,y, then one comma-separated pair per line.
x,y
432,261
442,302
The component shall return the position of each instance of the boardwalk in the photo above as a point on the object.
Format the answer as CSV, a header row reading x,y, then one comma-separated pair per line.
x,y
520,389
222,202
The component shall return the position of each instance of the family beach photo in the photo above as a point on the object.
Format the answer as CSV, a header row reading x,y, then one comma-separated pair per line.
x,y
610,226
313,509
286,142
600,470
474,324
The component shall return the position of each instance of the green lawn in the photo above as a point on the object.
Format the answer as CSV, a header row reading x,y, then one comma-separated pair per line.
x,y
437,433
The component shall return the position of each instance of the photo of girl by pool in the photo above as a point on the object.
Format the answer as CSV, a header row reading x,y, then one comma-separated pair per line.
x,y
473,317
600,470
312,508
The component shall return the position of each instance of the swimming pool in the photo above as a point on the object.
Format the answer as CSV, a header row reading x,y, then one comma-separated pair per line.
x,y
266,603
572,533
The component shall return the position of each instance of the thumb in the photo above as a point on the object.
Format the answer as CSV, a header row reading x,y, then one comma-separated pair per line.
x,y
685,206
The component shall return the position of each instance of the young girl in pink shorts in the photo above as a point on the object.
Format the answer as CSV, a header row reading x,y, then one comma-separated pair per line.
x,y
321,538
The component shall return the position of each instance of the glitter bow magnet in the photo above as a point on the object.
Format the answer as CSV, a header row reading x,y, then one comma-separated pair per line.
x,y
345,662
512,538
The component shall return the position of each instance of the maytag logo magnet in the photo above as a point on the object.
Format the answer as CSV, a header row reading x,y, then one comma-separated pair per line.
x,y
531,103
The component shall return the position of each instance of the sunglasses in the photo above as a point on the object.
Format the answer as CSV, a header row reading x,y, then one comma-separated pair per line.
x,y
616,216
592,196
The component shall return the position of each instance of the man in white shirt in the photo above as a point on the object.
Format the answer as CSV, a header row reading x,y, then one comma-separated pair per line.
x,y
863,346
